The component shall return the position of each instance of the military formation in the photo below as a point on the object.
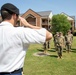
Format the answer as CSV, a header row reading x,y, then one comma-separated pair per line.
x,y
61,42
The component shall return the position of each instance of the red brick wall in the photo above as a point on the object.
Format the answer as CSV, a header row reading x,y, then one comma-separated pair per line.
x,y
37,16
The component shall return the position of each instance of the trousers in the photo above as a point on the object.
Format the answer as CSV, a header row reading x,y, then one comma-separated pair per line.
x,y
11,73
16,72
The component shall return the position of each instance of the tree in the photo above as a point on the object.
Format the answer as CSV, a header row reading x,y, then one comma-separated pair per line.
x,y
60,23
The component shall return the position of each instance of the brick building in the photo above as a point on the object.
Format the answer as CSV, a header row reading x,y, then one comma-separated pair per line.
x,y
40,19
43,18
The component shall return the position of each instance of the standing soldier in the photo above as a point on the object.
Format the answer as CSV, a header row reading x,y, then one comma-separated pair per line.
x,y
56,40
69,40
48,44
60,45
45,46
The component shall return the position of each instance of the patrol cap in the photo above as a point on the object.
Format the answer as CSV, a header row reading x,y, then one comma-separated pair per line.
x,y
10,7
69,30
60,32
57,32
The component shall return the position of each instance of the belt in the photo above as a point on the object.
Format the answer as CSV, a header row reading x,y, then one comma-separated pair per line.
x,y
16,71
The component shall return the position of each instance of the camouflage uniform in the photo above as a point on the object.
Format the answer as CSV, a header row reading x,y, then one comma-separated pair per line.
x,y
48,44
45,45
60,46
56,40
69,40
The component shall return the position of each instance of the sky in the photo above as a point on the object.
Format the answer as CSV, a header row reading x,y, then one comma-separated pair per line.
x,y
56,6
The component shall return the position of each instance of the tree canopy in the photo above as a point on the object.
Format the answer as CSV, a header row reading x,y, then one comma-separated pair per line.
x,y
60,23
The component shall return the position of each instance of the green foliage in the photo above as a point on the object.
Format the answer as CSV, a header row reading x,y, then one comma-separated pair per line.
x,y
60,24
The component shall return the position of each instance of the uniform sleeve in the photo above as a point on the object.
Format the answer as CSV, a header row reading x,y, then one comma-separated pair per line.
x,y
31,36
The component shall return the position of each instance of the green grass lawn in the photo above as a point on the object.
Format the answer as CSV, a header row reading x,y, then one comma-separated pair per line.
x,y
50,65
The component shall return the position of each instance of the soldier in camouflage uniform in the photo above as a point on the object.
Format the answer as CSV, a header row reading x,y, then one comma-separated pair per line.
x,y
69,40
56,40
60,45
46,46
